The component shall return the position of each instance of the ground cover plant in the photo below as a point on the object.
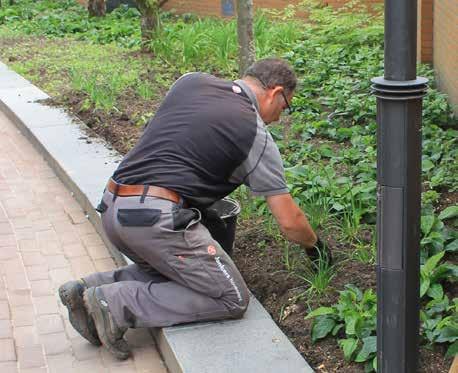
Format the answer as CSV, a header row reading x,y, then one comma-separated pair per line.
x,y
94,67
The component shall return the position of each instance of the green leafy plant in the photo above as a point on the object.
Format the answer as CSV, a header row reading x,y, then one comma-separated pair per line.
x,y
435,236
439,323
432,273
353,321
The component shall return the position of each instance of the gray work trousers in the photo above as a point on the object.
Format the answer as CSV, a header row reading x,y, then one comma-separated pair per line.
x,y
181,274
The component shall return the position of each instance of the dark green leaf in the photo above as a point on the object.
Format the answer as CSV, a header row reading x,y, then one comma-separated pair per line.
x,y
337,206
446,270
369,347
350,323
355,290
435,291
427,165
452,350
320,312
424,285
368,367
336,329
322,327
449,212
326,151
448,334
427,223
452,246
437,305
432,262
369,297
348,346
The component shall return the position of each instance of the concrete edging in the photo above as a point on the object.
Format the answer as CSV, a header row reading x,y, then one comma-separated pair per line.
x,y
253,344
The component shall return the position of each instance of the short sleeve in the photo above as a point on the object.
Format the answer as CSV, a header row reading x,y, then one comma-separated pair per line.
x,y
267,176
262,171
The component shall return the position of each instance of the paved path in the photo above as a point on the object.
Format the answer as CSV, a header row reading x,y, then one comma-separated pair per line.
x,y
45,240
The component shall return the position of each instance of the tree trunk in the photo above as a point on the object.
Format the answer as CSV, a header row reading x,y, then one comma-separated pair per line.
x,y
149,10
149,24
96,8
247,51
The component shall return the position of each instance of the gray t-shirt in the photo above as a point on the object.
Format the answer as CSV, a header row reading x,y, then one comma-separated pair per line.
x,y
205,140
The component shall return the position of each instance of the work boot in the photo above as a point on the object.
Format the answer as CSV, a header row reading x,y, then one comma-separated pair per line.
x,y
71,295
109,333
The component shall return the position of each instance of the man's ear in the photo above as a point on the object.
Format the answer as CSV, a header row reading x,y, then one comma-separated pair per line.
x,y
272,92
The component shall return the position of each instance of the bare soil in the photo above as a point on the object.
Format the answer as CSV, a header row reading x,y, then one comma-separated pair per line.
x,y
266,276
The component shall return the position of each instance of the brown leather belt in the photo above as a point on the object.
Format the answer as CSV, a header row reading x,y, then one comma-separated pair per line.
x,y
123,190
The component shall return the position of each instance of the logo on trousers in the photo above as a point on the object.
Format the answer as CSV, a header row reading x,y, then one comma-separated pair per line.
x,y
211,250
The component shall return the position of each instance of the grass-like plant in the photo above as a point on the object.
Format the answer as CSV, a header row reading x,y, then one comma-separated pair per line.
x,y
365,252
318,275
101,85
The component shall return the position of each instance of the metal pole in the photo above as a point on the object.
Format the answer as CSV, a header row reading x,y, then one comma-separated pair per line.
x,y
399,105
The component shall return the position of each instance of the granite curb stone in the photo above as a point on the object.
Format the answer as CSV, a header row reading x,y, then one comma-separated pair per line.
x,y
253,344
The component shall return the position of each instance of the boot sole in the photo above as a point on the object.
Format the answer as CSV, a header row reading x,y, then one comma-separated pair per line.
x,y
65,297
95,312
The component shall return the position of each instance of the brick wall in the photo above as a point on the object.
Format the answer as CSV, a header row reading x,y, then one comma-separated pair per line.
x,y
445,51
425,30
215,7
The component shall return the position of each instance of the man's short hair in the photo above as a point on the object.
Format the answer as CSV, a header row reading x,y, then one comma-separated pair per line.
x,y
272,72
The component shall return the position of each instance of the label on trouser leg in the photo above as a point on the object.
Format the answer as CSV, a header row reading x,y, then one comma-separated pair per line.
x,y
215,263
222,268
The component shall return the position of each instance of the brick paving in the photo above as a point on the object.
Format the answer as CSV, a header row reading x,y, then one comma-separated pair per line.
x,y
45,239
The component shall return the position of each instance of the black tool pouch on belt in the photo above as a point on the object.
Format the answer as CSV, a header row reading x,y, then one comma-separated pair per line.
x,y
182,217
138,217
215,225
102,207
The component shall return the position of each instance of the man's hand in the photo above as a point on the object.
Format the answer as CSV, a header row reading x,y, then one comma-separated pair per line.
x,y
292,221
320,252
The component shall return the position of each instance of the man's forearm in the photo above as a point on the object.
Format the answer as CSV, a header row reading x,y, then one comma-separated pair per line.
x,y
292,221
302,234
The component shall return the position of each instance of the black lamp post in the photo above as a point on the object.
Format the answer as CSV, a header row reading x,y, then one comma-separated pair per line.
x,y
399,107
